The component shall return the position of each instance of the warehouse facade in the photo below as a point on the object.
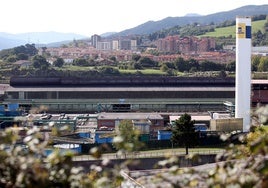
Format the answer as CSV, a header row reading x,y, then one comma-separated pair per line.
x,y
121,94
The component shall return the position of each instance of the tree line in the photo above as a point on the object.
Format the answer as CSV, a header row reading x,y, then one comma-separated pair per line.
x,y
23,52
138,62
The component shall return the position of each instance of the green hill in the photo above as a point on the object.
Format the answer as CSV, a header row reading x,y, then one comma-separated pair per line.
x,y
169,22
230,31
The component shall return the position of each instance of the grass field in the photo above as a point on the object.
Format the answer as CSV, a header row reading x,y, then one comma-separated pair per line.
x,y
145,71
76,68
227,31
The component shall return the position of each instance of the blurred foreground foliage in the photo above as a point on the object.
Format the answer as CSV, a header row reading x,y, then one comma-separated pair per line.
x,y
27,165
243,165
24,162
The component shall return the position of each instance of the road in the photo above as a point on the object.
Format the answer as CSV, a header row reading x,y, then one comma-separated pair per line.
x,y
152,153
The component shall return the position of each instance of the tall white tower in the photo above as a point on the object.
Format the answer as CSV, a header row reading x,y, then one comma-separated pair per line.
x,y
243,71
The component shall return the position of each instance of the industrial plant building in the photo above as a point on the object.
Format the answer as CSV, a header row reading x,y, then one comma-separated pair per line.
x,y
121,94
127,94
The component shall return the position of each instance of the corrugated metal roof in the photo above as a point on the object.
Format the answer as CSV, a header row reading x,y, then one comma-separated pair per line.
x,y
126,89
196,118
129,116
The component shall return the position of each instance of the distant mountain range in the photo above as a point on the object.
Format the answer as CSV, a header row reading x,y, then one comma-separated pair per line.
x,y
153,26
8,40
192,15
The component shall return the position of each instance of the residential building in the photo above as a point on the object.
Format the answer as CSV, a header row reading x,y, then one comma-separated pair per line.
x,y
260,50
133,45
23,63
115,45
124,44
95,39
104,45
185,45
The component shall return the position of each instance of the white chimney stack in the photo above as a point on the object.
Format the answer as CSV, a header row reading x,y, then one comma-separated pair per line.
x,y
243,71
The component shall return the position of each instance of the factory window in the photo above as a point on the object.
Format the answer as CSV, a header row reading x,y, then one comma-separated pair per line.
x,y
13,95
121,107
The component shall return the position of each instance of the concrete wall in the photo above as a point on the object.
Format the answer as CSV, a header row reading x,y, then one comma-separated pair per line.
x,y
150,163
226,125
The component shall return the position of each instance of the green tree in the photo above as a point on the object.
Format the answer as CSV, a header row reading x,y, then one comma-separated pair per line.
x,y
136,66
211,66
11,59
113,58
263,66
147,62
107,70
164,67
39,62
181,65
266,24
170,65
22,56
258,38
31,50
222,74
136,57
28,49
230,66
184,133
127,138
80,62
193,64
255,61
58,62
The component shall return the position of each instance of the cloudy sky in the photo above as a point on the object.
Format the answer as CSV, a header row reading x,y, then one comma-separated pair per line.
x,y
88,17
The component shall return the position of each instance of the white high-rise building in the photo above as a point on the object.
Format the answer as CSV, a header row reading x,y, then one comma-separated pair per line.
x,y
115,45
95,39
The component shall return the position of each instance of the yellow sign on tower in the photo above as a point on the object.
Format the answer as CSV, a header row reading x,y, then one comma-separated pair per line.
x,y
241,30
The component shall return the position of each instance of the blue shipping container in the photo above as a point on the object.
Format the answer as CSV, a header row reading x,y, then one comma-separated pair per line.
x,y
164,135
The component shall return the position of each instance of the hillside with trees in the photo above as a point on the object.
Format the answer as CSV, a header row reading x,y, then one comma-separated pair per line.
x,y
217,18
223,32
